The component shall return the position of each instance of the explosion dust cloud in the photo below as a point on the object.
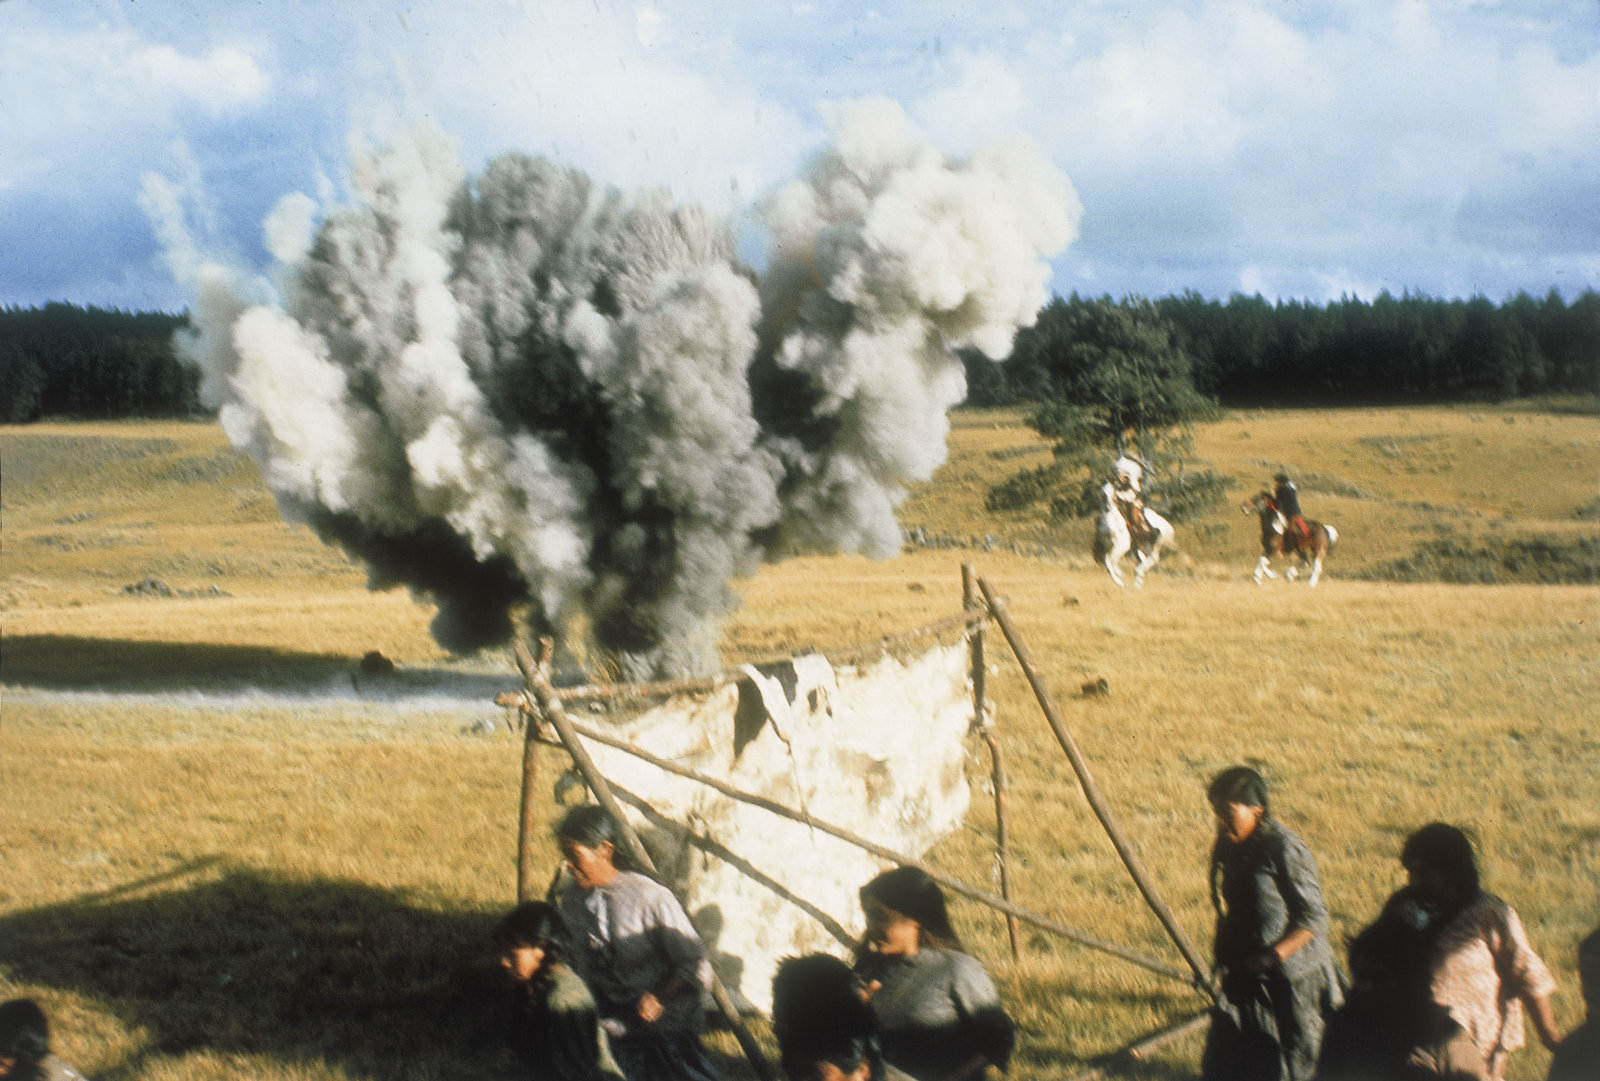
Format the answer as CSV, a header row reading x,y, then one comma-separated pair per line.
x,y
530,397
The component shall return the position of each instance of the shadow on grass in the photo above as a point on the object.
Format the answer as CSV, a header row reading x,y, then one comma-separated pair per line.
x,y
296,972
71,663
1087,1050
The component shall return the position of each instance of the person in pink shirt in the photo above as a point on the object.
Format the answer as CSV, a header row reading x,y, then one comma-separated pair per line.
x,y
1484,971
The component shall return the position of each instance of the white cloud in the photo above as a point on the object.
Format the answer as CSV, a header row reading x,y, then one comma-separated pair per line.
x,y
1387,143
221,79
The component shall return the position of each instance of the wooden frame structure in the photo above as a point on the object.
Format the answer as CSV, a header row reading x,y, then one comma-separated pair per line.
x,y
540,702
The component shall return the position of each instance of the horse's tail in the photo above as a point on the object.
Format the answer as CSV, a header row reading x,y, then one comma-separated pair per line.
x,y
1333,535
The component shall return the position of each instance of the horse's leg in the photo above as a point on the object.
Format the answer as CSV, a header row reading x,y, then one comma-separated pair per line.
x,y
1316,568
1264,568
1119,548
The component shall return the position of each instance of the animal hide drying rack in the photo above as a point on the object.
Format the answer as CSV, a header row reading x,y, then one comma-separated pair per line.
x,y
540,702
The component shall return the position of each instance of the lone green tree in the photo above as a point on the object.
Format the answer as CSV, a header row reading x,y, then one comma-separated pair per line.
x,y
1119,385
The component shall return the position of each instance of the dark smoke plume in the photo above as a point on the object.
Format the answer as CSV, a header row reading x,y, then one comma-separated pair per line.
x,y
524,395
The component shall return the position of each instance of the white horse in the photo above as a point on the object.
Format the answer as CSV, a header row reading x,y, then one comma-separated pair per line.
x,y
1113,540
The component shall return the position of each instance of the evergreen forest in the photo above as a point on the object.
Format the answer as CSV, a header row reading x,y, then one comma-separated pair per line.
x,y
62,360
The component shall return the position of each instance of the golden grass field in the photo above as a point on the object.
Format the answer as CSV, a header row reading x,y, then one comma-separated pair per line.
x,y
267,885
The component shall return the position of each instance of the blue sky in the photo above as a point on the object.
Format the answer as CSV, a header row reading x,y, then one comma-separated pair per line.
x,y
1306,150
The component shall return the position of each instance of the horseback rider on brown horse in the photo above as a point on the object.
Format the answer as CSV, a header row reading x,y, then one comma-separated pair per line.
x,y
1286,500
1285,532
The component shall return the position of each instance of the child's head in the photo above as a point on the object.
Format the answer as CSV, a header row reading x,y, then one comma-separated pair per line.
x,y
825,1030
24,1035
530,940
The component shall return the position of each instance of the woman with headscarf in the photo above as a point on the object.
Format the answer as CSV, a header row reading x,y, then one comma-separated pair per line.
x,y
1279,977
941,1017
1483,969
633,945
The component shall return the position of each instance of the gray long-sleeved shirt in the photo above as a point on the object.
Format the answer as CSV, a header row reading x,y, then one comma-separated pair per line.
x,y
629,937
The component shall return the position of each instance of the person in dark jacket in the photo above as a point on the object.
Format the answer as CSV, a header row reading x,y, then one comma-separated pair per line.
x,y
1287,499
554,1026
1389,1028
1279,977
940,1015
1578,1056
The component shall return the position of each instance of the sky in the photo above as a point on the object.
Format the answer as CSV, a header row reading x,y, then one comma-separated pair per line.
x,y
1294,150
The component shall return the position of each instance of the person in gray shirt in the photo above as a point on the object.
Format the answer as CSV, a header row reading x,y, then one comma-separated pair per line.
x,y
1279,977
940,1016
635,948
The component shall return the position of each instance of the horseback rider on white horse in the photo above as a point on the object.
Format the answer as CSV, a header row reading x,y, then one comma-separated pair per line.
x,y
1127,525
1125,495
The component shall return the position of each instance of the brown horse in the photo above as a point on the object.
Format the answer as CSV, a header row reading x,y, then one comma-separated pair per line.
x,y
1278,538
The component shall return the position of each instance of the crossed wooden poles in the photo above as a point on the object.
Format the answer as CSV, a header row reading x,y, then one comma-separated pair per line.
x,y
540,701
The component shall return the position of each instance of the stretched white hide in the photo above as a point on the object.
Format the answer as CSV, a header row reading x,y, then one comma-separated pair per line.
x,y
880,751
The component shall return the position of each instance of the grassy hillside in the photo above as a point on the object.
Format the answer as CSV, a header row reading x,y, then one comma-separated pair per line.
x,y
1443,490
257,884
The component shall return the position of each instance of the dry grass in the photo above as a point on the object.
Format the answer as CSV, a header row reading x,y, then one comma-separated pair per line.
x,y
261,886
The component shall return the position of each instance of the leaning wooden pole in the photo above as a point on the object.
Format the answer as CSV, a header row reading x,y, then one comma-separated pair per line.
x,y
539,686
1102,810
971,599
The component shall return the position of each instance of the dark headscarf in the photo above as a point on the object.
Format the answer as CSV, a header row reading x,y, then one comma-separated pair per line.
x,y
592,826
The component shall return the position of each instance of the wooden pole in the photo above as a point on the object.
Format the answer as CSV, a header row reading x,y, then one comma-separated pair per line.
x,y
539,686
1102,810
953,884
530,774
970,599
1002,845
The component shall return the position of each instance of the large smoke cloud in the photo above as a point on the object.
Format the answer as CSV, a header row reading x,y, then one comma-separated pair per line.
x,y
524,395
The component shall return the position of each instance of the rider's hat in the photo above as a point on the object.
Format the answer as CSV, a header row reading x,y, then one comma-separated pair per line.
x,y
1127,466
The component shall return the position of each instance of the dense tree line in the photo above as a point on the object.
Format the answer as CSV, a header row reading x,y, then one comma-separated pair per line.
x,y
63,360
1247,351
